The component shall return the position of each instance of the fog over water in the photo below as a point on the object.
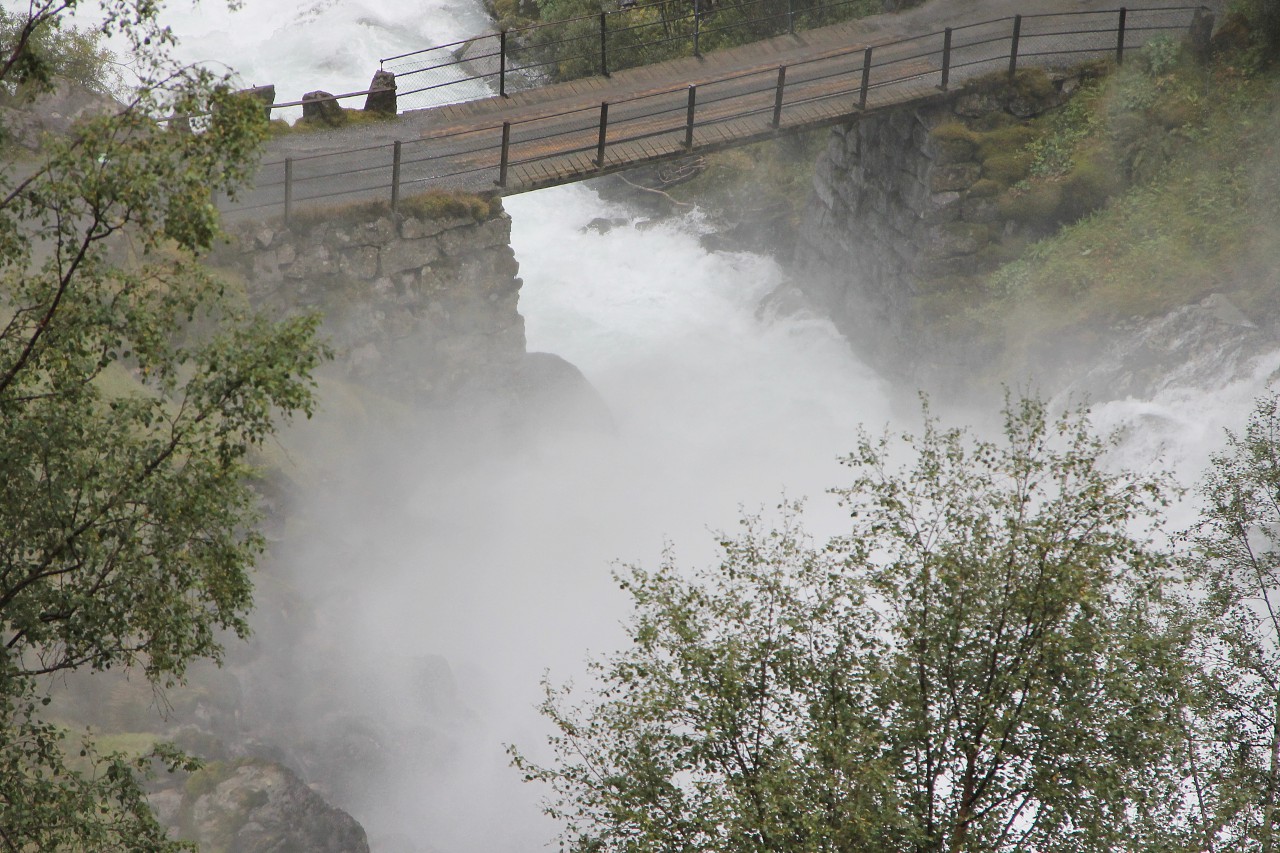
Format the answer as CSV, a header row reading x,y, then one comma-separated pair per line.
x,y
500,566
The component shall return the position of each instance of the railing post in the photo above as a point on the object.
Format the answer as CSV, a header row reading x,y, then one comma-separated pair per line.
x,y
866,79
777,98
1120,36
697,26
1013,47
946,58
502,63
688,120
604,48
395,175
604,124
288,189
791,17
506,145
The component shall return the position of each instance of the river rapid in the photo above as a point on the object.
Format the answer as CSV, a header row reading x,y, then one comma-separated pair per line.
x,y
471,584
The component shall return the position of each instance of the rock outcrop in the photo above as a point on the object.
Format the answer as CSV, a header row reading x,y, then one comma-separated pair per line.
x,y
55,112
252,806
900,206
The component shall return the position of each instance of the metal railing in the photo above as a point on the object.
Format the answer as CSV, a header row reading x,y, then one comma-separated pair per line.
x,y
633,35
824,89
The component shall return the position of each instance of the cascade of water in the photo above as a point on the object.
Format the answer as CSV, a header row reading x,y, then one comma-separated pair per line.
x,y
504,569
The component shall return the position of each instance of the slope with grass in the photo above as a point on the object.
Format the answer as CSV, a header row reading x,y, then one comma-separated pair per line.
x,y
1025,224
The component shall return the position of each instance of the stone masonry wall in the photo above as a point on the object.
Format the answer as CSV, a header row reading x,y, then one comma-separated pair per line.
x,y
424,308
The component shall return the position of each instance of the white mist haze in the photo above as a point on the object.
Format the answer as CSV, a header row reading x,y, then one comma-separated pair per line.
x,y
442,569
497,557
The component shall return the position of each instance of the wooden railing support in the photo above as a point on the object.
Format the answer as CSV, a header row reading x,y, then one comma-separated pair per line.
x,y
777,98
395,175
1120,36
946,58
866,79
506,147
604,124
1013,45
688,119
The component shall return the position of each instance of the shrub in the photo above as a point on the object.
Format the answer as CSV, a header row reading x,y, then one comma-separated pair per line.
x,y
55,51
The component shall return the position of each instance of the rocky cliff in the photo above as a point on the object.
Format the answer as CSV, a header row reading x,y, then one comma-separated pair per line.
x,y
901,208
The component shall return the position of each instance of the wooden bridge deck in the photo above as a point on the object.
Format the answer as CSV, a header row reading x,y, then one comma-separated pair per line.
x,y
562,133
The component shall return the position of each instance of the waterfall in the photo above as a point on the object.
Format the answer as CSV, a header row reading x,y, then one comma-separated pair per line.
x,y
445,599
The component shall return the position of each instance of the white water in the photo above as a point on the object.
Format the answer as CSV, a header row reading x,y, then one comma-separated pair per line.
x,y
503,569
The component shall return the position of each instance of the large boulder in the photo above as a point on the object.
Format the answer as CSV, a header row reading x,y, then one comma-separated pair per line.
x,y
322,108
255,806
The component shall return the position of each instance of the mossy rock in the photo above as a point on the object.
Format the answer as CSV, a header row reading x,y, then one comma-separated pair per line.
x,y
1007,168
996,120
953,143
1234,35
985,188
1035,206
1010,139
251,804
1088,186
432,204
1034,84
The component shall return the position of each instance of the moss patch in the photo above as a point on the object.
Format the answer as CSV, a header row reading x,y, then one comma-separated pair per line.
x,y
432,204
348,118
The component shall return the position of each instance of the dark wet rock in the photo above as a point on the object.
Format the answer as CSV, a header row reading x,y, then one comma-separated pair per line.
x,y
1197,345
557,395
322,108
603,225
382,94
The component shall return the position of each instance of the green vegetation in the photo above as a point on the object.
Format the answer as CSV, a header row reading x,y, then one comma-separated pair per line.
x,y
349,118
131,393
52,51
1153,186
766,185
996,656
428,205
654,31
1199,215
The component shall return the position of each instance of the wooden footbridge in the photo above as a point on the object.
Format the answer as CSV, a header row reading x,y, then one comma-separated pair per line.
x,y
572,131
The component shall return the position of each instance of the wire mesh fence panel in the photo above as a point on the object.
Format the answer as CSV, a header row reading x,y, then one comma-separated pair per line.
x,y
463,71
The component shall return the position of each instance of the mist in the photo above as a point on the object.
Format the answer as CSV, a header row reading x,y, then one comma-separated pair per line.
x,y
447,563
438,564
